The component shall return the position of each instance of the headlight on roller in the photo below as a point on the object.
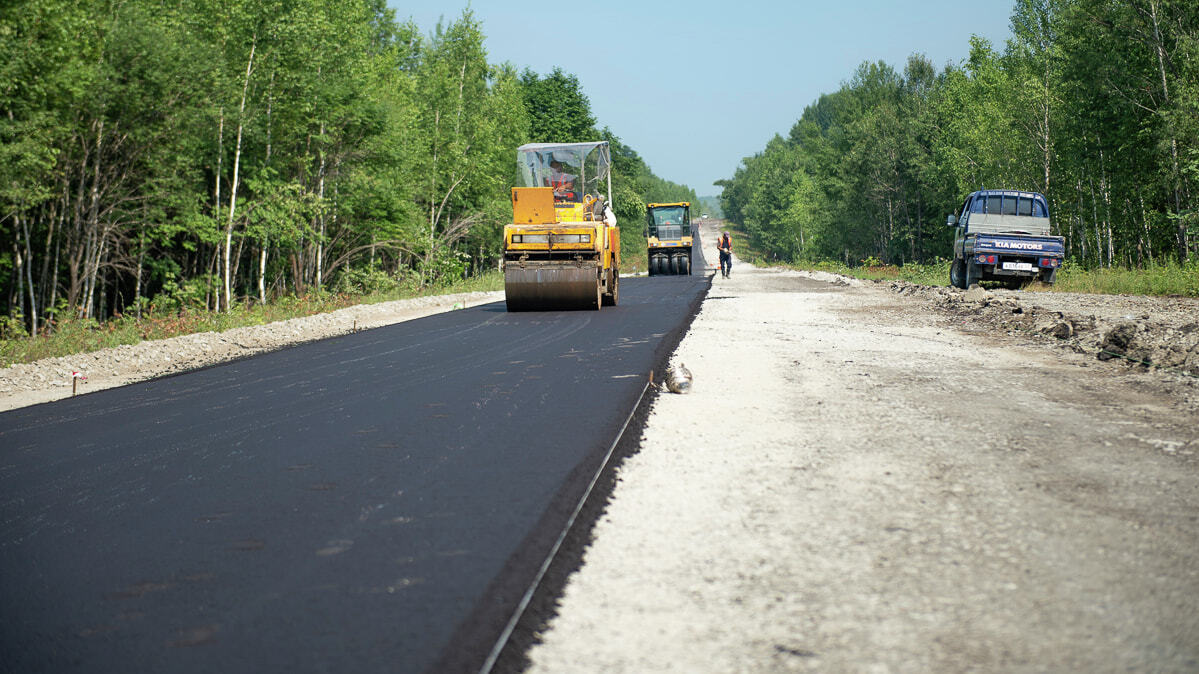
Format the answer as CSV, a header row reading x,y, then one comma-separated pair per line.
x,y
571,238
530,238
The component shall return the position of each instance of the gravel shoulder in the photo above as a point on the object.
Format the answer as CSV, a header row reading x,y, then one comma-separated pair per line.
x,y
50,378
885,478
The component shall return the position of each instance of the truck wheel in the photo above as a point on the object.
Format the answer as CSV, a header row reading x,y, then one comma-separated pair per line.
x,y
674,265
972,276
685,266
957,274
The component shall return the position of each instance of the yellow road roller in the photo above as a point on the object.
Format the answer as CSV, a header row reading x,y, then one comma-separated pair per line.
x,y
668,238
562,250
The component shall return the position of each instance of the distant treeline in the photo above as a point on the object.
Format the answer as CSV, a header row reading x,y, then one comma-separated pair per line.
x,y
1093,103
161,155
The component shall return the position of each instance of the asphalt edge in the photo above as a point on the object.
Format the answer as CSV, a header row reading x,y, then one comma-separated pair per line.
x,y
543,604
523,597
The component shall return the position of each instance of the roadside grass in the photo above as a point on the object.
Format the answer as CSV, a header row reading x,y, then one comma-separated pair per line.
x,y
1154,280
72,336
1157,279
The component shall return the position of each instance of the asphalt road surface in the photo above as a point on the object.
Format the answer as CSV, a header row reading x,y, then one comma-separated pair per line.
x,y
374,502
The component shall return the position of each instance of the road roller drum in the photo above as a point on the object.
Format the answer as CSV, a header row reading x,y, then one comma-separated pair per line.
x,y
541,286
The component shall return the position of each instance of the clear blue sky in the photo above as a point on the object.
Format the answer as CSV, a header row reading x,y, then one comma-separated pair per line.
x,y
755,64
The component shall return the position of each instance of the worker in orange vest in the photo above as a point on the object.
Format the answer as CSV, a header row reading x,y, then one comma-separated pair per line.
x,y
725,246
562,182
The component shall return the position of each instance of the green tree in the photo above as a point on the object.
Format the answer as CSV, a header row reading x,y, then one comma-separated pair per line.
x,y
557,108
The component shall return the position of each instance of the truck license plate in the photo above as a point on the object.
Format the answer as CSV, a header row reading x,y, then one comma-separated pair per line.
x,y
1018,266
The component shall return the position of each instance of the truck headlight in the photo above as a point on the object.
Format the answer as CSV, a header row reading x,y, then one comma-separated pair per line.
x,y
571,238
530,238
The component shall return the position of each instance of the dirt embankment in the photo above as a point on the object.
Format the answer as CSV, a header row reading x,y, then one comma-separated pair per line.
x,y
1159,333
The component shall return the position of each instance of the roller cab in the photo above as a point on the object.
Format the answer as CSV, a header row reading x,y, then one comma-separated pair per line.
x,y
562,250
669,239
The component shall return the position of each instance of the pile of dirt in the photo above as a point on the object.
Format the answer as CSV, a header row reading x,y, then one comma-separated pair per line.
x,y
1158,333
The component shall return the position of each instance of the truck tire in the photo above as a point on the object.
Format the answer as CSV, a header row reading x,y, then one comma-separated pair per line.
x,y
685,266
957,274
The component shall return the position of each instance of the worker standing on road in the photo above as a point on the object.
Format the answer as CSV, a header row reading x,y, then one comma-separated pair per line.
x,y
725,246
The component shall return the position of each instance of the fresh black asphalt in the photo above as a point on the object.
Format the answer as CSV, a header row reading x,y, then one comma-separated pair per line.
x,y
376,502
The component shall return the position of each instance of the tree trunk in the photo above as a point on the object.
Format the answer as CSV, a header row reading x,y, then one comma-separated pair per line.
x,y
320,214
241,125
1160,51
92,265
262,275
43,279
137,290
24,226
220,161
50,306
19,273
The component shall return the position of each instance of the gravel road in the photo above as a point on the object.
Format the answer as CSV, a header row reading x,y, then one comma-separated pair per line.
x,y
862,480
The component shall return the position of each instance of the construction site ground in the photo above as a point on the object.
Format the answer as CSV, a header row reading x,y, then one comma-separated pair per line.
x,y
881,477
877,477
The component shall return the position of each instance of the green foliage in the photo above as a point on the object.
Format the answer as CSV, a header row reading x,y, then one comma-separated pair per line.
x,y
1094,104
366,281
558,110
73,335
154,154
1157,279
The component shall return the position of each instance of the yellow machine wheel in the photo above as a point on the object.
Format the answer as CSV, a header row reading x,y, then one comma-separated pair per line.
x,y
611,299
551,287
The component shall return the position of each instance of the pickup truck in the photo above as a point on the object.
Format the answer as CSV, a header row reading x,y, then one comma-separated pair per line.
x,y
1003,235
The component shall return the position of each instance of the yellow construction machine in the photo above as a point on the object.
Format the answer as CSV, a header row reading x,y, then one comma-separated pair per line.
x,y
668,238
562,250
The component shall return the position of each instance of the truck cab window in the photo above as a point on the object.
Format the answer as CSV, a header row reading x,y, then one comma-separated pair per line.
x,y
1009,205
